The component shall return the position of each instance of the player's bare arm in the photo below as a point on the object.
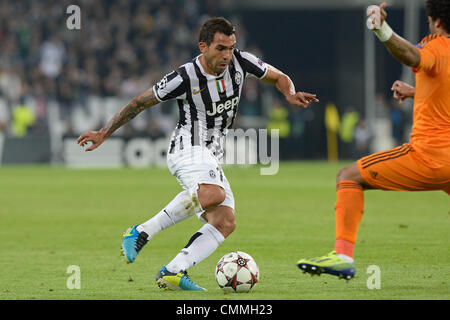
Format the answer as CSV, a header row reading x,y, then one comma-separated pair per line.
x,y
403,51
125,114
400,48
402,91
285,85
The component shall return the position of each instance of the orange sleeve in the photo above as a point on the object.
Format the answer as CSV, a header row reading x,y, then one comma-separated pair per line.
x,y
429,54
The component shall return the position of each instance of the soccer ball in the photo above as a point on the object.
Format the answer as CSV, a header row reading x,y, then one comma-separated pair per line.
x,y
237,271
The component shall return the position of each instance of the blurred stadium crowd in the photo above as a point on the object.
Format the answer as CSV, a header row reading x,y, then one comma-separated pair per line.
x,y
122,48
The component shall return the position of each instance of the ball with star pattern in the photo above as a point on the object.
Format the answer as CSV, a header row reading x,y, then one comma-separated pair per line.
x,y
237,271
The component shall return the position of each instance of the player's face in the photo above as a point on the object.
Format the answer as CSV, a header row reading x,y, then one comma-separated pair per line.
x,y
218,54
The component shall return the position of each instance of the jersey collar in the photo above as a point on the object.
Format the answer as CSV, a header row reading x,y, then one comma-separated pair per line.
x,y
207,75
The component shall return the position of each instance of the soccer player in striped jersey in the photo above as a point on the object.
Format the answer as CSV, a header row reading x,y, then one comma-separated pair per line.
x,y
424,163
208,90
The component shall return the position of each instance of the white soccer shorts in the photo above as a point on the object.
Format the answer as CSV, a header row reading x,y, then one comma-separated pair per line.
x,y
195,165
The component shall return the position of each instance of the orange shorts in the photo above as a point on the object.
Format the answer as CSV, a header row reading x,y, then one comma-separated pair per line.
x,y
401,169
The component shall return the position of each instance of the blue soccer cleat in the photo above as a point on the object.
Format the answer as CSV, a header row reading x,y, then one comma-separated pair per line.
x,y
133,242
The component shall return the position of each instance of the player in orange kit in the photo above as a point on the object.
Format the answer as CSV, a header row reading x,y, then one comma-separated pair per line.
x,y
422,164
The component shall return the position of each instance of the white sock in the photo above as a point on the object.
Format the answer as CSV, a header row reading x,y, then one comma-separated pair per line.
x,y
183,206
201,245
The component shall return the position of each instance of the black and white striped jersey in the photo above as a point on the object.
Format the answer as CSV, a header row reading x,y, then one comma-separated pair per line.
x,y
207,104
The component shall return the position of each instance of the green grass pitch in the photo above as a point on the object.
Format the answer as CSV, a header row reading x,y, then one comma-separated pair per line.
x,y
52,218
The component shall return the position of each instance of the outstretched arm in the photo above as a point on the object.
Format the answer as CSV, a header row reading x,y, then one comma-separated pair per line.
x,y
285,85
400,48
125,114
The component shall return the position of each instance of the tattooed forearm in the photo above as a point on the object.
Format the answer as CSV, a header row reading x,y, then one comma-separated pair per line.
x,y
131,110
403,51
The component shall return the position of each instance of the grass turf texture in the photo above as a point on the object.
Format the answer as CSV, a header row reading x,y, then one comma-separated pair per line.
x,y
52,218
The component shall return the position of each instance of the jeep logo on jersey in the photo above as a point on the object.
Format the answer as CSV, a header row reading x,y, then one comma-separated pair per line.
x,y
225,106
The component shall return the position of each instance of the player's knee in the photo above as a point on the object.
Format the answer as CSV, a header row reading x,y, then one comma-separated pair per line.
x,y
350,173
340,176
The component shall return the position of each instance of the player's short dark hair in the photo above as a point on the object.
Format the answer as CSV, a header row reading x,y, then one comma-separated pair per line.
x,y
439,9
213,25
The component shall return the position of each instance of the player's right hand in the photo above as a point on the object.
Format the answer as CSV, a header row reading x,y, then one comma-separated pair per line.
x,y
402,91
96,137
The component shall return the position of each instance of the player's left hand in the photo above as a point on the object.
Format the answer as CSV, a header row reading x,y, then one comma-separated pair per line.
x,y
302,99
402,91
